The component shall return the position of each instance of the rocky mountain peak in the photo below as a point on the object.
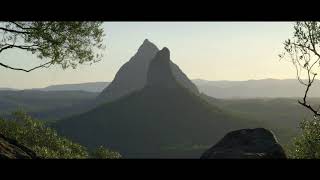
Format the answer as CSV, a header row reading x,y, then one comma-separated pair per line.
x,y
147,49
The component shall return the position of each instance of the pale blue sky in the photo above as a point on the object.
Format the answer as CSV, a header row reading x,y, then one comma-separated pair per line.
x,y
206,50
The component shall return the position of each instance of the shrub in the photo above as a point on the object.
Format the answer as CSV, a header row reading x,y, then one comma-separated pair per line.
x,y
103,153
307,144
45,141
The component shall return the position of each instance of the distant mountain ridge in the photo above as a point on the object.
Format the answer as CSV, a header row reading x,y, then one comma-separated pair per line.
x,y
263,88
8,89
89,87
95,87
40,104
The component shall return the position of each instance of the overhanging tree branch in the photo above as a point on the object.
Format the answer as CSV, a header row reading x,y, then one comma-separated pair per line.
x,y
65,43
20,69
23,47
14,31
304,102
20,26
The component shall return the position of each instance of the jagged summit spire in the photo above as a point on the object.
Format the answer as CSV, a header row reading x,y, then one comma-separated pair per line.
x,y
164,53
160,74
148,46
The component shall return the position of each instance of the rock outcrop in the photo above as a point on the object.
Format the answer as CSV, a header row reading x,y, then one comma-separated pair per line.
x,y
11,149
256,143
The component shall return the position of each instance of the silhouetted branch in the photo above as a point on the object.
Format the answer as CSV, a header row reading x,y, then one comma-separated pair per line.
x,y
5,47
14,31
24,47
20,69
304,102
20,26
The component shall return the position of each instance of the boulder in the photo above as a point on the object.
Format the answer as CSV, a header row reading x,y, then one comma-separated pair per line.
x,y
11,149
256,143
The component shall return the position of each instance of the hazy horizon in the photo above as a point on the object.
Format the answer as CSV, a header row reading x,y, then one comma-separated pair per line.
x,y
232,51
190,79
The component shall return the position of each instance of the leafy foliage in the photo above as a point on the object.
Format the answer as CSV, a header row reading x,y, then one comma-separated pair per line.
x,y
103,153
44,140
63,43
307,145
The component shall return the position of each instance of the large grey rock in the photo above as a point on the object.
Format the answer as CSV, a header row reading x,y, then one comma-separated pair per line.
x,y
256,143
11,149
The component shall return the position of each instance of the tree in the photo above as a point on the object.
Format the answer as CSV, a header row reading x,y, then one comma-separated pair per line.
x,y
57,43
303,51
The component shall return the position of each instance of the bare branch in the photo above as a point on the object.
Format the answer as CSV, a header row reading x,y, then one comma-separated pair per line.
x,y
308,106
304,102
5,47
19,26
20,69
24,47
311,49
14,31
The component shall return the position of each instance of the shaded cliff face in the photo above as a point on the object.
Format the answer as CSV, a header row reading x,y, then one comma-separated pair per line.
x,y
160,74
132,76
162,120
11,149
182,78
